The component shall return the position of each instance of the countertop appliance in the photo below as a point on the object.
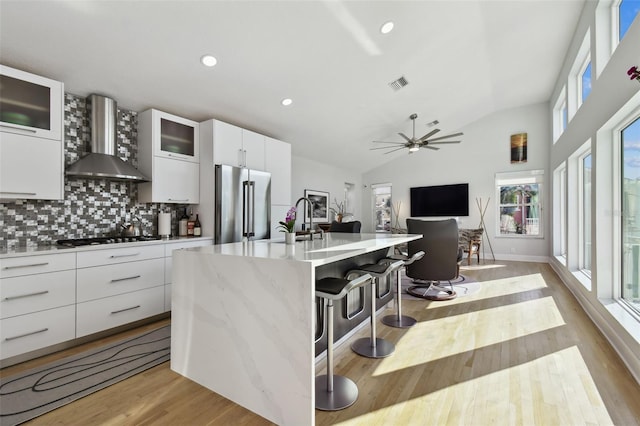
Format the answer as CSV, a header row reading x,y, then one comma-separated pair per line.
x,y
94,241
242,204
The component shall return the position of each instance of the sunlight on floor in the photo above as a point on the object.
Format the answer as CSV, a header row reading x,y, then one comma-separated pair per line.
x,y
465,333
508,286
480,267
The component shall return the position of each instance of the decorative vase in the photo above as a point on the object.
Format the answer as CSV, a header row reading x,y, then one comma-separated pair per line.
x,y
290,237
338,217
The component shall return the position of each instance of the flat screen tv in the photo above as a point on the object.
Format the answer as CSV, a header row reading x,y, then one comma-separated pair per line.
x,y
440,200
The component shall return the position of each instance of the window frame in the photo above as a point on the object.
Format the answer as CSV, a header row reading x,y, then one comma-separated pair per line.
x,y
525,177
581,212
560,115
560,212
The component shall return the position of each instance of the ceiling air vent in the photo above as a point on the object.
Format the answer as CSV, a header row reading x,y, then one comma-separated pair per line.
x,y
399,83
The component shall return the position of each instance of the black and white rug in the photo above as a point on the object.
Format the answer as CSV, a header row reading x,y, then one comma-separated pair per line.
x,y
463,286
37,391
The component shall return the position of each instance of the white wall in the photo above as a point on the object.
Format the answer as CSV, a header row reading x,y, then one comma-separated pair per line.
x,y
310,174
485,150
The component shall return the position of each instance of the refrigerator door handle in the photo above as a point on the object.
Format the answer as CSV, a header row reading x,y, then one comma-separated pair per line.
x,y
252,186
245,210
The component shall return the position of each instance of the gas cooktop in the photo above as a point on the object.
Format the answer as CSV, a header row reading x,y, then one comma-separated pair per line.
x,y
103,240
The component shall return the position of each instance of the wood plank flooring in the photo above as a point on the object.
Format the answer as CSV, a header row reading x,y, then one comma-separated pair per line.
x,y
520,351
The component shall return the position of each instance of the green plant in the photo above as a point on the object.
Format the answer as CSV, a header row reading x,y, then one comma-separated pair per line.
x,y
289,223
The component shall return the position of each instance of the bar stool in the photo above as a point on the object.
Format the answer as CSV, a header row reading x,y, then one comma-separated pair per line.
x,y
398,320
335,392
373,347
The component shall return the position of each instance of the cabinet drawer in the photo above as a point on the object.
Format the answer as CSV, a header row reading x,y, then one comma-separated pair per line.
x,y
110,280
37,264
32,293
119,255
27,333
110,312
170,247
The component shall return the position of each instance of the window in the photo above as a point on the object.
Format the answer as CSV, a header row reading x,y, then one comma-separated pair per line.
x,y
519,209
560,211
585,82
627,11
585,213
560,117
381,195
630,197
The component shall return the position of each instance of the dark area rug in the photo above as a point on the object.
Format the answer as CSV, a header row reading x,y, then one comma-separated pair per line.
x,y
37,391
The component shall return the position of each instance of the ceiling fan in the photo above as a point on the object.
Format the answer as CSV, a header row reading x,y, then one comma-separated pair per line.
x,y
414,144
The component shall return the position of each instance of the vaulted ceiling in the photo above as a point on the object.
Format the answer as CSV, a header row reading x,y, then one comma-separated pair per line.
x,y
462,60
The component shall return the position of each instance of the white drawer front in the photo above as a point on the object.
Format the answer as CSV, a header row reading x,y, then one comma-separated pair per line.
x,y
36,264
168,269
119,255
170,247
32,293
27,333
167,297
110,280
102,314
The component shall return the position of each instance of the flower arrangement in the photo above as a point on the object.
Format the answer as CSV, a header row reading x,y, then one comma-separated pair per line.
x,y
289,223
634,73
339,210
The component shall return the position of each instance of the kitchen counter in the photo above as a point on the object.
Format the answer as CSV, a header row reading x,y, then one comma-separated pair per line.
x,y
243,317
53,248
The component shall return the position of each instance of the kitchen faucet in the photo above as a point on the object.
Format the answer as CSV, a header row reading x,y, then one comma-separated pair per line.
x,y
310,204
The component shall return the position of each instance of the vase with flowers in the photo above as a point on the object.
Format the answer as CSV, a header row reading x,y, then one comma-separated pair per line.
x,y
339,210
288,226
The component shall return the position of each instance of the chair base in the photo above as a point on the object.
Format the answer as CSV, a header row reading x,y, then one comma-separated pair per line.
x,y
402,322
382,349
345,393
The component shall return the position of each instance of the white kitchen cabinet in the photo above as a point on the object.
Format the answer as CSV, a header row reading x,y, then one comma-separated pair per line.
x,y
277,159
235,146
37,302
168,152
31,130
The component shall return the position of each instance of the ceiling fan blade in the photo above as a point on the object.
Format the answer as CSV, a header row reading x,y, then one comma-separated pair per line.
x,y
407,138
393,150
430,147
385,147
448,136
395,143
431,133
436,143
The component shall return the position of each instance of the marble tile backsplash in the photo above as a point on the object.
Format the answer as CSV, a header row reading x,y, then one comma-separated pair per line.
x,y
91,207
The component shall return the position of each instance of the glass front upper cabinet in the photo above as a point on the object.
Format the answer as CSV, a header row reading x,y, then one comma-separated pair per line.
x,y
30,105
177,137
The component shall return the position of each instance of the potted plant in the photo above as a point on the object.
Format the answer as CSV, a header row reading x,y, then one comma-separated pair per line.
x,y
339,211
288,226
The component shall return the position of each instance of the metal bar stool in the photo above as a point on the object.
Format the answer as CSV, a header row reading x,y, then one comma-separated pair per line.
x,y
398,320
374,347
335,392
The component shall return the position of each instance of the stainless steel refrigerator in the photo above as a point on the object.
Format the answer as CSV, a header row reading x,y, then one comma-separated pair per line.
x,y
242,204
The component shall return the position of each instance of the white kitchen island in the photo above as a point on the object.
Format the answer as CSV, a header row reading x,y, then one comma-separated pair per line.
x,y
243,318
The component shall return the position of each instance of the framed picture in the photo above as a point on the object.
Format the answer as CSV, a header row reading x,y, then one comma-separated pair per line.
x,y
519,148
320,200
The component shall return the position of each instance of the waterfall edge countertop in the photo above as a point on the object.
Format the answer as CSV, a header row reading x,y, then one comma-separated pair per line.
x,y
331,248
243,318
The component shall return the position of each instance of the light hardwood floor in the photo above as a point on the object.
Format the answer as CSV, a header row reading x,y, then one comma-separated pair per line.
x,y
520,351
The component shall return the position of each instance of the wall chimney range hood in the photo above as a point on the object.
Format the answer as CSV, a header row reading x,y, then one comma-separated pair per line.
x,y
102,162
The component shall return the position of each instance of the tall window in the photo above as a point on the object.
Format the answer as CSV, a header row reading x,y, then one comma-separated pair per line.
x,y
520,203
560,116
627,11
560,211
585,81
630,138
585,214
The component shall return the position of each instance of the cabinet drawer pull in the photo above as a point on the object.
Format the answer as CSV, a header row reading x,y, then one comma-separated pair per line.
x,y
115,280
178,199
18,193
18,128
115,256
26,266
125,309
20,296
26,334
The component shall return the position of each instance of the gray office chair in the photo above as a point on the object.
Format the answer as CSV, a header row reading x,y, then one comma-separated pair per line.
x,y
349,227
440,262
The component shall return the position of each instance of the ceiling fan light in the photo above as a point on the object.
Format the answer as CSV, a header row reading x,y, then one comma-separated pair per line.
x,y
415,147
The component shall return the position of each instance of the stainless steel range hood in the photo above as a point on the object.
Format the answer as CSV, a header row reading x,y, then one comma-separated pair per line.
x,y
102,162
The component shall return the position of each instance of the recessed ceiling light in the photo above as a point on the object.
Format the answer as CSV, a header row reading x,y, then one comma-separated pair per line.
x,y
415,147
208,60
386,27
287,102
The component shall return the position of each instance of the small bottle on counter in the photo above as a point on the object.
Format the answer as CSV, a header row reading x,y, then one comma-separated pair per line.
x,y
182,224
197,229
190,225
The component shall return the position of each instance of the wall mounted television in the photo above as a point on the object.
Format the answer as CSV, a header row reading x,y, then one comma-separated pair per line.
x,y
440,200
